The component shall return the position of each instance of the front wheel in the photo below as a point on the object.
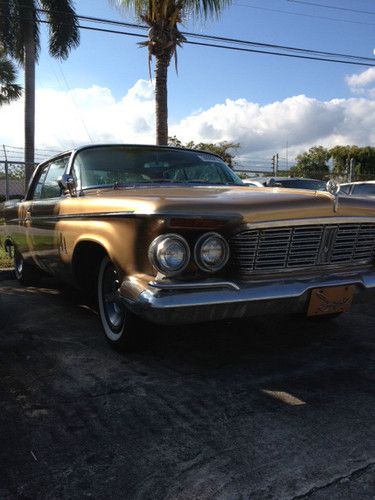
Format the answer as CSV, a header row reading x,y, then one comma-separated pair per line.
x,y
123,330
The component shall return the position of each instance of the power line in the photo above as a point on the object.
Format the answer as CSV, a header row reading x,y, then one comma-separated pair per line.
x,y
302,53
312,16
241,49
333,7
221,38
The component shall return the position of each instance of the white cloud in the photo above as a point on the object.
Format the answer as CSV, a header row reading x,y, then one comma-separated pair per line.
x,y
300,120
66,119
360,80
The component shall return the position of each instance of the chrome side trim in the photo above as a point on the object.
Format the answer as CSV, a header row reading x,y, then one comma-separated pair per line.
x,y
194,286
124,214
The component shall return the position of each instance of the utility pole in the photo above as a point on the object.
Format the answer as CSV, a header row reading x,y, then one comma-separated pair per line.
x,y
351,168
287,155
6,174
29,64
277,163
274,165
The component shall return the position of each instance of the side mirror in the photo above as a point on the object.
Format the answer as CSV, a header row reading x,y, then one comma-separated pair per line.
x,y
67,183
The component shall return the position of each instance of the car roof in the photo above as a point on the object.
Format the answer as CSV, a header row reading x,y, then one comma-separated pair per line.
x,y
357,182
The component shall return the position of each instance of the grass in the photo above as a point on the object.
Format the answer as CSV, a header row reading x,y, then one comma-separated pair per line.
x,y
5,261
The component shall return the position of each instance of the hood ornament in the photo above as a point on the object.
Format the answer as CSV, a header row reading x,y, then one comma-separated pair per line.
x,y
333,187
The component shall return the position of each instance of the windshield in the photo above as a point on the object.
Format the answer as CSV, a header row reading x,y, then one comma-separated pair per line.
x,y
130,165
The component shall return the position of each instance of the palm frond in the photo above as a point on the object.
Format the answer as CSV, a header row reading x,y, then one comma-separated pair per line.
x,y
63,28
206,8
9,90
15,18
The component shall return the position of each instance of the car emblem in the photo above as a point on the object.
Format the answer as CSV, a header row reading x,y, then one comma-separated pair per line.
x,y
333,187
327,242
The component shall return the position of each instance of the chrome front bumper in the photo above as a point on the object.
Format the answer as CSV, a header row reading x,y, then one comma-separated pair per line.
x,y
177,303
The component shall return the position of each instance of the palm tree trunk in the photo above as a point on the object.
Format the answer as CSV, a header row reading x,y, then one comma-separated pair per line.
x,y
29,63
161,99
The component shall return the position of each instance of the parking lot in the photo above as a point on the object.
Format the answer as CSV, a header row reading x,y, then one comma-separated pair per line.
x,y
268,408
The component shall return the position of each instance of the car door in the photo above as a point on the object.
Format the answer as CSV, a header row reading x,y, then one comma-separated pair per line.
x,y
43,214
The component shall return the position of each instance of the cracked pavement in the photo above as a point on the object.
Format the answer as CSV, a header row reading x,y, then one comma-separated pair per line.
x,y
270,408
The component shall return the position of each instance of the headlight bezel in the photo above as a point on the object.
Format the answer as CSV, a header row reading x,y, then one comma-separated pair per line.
x,y
154,250
198,256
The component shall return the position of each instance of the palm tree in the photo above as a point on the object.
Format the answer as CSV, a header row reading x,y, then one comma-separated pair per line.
x,y
9,90
19,34
163,18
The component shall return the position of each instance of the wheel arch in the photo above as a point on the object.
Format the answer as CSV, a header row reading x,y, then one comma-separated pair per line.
x,y
86,258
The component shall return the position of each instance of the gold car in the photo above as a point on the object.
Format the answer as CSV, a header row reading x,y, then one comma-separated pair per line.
x,y
173,236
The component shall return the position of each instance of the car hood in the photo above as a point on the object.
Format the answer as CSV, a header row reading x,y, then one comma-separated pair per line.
x,y
249,204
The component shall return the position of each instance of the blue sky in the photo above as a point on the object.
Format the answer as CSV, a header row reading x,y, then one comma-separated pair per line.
x,y
208,76
216,86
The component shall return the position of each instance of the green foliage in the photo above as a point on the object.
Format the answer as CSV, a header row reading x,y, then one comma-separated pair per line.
x,y
9,90
221,149
364,161
313,163
5,260
16,16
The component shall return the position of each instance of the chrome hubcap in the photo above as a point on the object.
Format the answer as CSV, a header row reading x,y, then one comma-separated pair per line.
x,y
18,264
113,308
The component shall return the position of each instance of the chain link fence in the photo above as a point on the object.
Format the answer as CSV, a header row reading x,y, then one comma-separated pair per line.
x,y
12,180
12,170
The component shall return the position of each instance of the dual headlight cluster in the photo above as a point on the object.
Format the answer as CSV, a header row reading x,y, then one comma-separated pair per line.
x,y
170,253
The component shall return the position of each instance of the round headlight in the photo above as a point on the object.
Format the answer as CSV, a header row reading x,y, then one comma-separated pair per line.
x,y
211,252
169,254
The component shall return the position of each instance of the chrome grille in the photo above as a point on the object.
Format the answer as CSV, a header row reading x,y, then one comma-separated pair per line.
x,y
302,247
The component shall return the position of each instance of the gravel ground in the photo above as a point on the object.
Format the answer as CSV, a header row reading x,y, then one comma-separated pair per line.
x,y
271,408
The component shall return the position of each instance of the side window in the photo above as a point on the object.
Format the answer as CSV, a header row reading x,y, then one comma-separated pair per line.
x,y
364,190
39,183
345,189
76,173
50,188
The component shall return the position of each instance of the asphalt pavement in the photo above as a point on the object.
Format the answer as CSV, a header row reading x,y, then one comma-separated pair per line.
x,y
269,408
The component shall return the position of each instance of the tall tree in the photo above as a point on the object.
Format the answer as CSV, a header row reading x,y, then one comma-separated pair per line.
x,y
313,163
9,90
164,37
223,148
19,34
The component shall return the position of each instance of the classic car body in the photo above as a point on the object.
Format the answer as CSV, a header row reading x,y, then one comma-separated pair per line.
x,y
276,250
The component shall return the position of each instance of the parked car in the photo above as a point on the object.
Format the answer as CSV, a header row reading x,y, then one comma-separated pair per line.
x,y
294,183
359,188
173,236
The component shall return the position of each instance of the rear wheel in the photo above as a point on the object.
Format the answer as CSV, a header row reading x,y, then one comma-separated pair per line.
x,y
123,330
25,273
